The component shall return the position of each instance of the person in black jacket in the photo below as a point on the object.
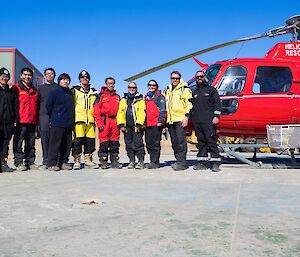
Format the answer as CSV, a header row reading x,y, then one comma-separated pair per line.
x,y
43,92
9,110
205,116
61,113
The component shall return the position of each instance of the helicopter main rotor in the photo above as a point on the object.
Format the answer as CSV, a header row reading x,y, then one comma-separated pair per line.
x,y
293,27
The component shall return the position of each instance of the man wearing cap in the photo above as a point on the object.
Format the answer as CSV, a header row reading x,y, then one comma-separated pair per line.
x,y
25,128
43,92
8,117
84,98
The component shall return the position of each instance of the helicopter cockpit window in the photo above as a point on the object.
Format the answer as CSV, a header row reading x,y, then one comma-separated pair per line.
x,y
212,72
272,79
233,81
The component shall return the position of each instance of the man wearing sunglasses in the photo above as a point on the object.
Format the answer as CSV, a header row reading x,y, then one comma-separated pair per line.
x,y
178,105
155,119
131,119
205,116
84,98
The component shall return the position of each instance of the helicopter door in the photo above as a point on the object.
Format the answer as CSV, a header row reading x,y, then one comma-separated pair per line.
x,y
272,99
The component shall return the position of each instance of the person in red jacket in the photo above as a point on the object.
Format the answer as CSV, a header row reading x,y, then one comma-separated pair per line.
x,y
155,119
105,111
28,118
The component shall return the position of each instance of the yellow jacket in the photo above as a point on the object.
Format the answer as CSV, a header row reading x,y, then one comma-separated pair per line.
x,y
177,102
84,105
139,110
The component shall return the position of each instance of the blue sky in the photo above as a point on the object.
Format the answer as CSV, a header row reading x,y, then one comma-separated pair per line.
x,y
122,38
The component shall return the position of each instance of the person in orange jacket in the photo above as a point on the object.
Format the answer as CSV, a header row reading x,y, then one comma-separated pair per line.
x,y
105,114
155,119
28,119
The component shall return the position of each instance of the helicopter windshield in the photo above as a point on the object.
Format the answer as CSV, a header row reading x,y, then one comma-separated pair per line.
x,y
233,81
212,72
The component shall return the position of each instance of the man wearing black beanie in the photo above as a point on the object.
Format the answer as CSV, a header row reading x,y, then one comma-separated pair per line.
x,y
8,116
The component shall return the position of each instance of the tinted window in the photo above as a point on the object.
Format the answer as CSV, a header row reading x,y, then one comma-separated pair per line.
x,y
212,72
272,80
229,106
233,81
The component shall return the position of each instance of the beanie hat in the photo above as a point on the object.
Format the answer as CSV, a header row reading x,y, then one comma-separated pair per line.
x,y
4,71
84,73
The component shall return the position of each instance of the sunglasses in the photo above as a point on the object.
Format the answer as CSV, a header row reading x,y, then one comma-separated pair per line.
x,y
200,77
132,87
175,78
110,83
152,85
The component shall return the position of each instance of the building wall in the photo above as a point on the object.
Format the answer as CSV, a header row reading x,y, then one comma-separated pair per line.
x,y
20,63
14,61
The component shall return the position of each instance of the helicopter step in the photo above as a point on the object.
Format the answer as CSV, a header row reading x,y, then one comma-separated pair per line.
x,y
273,163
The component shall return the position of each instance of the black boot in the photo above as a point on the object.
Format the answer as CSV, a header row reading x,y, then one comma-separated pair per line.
x,y
5,167
179,166
115,163
200,166
152,165
140,165
215,167
104,163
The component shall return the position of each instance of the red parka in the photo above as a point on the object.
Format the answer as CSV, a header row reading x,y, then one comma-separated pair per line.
x,y
106,106
28,103
155,109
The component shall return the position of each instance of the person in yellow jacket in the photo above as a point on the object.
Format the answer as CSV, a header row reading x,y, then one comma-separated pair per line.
x,y
130,119
84,132
178,105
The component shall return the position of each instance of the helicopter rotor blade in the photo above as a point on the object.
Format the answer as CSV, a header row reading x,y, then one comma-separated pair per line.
x,y
180,59
292,26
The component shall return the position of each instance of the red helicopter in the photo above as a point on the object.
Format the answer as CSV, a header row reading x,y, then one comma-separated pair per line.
x,y
255,92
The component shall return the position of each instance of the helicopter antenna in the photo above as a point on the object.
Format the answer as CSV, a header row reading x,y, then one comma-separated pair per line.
x,y
292,26
240,48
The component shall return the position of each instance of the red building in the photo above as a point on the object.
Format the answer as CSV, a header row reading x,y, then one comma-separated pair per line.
x,y
14,61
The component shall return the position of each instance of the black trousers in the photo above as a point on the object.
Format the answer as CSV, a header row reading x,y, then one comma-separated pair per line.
x,y
207,142
24,133
153,138
89,145
6,133
134,144
60,144
109,147
179,145
45,136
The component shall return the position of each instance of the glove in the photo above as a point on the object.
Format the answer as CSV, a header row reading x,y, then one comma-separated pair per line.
x,y
165,133
138,127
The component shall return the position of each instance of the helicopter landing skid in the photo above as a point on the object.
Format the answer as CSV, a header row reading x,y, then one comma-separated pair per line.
x,y
230,149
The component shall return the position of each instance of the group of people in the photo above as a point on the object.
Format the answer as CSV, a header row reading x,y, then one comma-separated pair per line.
x,y
67,118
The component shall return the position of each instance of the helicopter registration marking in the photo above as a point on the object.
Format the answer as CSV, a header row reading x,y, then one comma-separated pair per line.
x,y
292,49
